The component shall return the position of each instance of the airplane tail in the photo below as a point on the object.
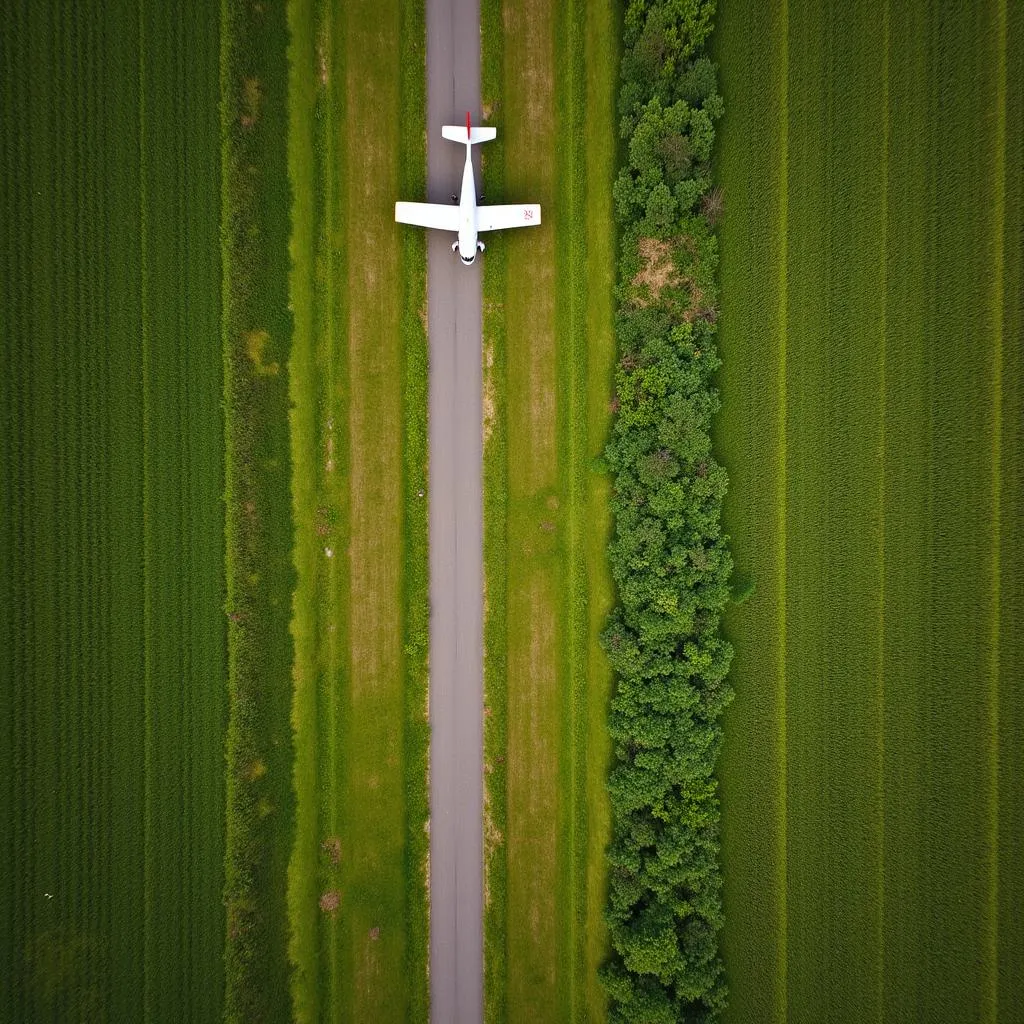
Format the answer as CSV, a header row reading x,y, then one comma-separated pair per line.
x,y
458,133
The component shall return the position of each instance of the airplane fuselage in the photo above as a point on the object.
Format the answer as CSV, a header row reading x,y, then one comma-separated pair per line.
x,y
467,220
467,243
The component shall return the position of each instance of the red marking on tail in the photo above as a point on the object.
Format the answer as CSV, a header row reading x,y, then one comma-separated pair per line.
x,y
469,134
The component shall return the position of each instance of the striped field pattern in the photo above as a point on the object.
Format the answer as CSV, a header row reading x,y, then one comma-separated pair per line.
x,y
112,633
549,75
872,160
357,882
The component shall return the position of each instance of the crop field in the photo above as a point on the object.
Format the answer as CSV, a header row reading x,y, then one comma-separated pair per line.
x,y
872,161
112,630
357,876
548,353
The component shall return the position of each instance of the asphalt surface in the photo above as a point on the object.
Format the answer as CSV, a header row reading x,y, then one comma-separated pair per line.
x,y
456,538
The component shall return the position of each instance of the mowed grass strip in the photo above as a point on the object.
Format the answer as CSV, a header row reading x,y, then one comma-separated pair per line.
x,y
530,640
891,446
531,581
549,86
304,146
113,636
357,887
595,120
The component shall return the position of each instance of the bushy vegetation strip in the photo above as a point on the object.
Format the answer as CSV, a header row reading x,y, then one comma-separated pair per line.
x,y
257,328
668,556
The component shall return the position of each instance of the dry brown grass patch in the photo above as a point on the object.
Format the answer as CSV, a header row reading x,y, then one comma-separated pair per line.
x,y
252,95
488,393
658,270
256,343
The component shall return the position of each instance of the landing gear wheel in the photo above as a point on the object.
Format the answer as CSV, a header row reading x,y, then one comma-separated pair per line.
x,y
455,245
480,245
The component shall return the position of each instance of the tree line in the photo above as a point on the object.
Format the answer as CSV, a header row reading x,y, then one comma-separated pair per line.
x,y
668,556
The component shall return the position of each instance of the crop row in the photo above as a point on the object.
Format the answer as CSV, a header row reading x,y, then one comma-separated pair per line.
x,y
113,630
870,255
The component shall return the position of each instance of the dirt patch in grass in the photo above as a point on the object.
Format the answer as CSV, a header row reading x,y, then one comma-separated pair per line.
x,y
488,392
657,272
493,839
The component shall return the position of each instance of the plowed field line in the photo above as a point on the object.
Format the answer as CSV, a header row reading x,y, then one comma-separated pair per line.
x,y
880,675
995,651
782,878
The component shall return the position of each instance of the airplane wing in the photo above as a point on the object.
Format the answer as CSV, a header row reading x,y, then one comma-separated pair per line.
x,y
428,215
493,218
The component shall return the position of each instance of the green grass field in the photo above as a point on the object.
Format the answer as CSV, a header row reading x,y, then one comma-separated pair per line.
x,y
357,880
548,85
112,632
871,160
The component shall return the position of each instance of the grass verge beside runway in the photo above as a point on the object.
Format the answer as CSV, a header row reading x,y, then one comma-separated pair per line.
x,y
112,634
870,334
548,354
357,877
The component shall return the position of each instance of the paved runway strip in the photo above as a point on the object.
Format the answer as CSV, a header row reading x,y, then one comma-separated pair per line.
x,y
456,575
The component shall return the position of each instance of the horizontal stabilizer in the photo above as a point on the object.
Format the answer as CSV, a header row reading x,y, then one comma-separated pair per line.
x,y
494,218
428,215
457,133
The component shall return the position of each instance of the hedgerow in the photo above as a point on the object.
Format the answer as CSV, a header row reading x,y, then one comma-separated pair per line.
x,y
257,331
669,559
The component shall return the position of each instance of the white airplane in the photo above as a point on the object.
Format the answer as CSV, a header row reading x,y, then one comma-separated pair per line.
x,y
467,218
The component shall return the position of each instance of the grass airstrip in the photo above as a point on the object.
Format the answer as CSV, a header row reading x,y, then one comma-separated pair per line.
x,y
213,469
549,85
871,160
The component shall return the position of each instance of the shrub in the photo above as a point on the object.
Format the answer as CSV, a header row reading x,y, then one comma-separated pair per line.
x,y
669,559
